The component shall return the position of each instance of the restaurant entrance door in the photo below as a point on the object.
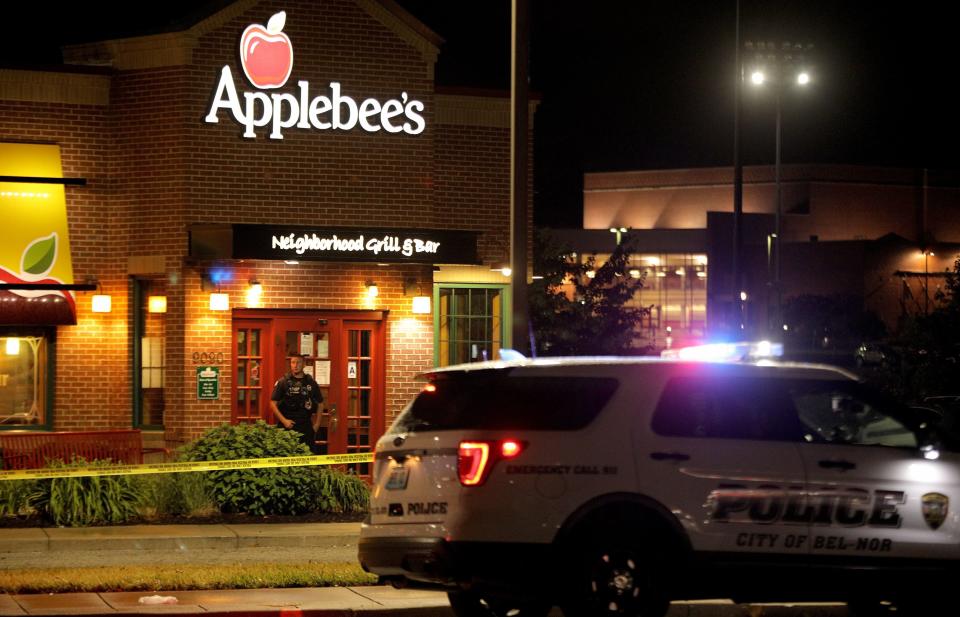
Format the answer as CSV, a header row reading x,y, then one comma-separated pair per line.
x,y
343,350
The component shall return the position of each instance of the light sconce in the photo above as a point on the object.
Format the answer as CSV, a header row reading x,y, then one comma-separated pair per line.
x,y
372,290
219,301
254,292
13,346
101,301
421,303
156,304
501,267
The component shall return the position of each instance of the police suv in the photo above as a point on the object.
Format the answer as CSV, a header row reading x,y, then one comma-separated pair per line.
x,y
613,485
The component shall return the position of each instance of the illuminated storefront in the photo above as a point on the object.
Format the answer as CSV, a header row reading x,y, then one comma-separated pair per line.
x,y
324,198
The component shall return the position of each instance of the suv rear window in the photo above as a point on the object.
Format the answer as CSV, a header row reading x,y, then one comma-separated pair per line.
x,y
495,400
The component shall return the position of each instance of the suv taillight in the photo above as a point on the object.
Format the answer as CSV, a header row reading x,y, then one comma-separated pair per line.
x,y
476,458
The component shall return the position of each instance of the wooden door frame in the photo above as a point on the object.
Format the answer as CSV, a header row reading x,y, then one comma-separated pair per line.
x,y
266,334
269,317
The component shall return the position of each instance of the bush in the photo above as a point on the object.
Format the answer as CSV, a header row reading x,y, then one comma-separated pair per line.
x,y
78,502
340,492
180,494
286,490
14,495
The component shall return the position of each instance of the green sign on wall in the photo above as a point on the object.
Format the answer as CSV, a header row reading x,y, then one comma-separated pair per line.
x,y
208,382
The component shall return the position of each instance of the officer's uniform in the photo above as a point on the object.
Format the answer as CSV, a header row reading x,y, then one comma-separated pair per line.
x,y
298,398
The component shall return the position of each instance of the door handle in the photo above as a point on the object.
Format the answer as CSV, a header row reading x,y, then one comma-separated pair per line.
x,y
841,465
669,456
334,418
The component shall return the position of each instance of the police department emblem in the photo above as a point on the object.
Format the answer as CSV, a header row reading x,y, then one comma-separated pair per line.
x,y
935,506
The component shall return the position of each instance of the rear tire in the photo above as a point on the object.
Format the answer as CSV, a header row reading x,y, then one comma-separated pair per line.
x,y
618,574
472,604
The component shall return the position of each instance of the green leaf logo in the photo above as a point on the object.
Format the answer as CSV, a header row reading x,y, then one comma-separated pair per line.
x,y
39,256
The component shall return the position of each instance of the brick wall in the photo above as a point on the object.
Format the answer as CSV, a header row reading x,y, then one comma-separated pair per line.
x,y
154,167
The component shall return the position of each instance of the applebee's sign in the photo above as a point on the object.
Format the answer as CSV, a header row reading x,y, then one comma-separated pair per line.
x,y
267,59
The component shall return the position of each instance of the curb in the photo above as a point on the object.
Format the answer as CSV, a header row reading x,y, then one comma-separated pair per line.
x,y
177,537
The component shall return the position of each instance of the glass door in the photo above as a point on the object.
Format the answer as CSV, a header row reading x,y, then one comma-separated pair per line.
x,y
251,389
364,396
344,353
318,341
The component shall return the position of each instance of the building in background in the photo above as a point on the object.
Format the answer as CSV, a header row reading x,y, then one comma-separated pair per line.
x,y
885,236
273,179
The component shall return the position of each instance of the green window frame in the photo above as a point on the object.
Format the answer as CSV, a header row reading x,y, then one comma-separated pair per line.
x,y
468,320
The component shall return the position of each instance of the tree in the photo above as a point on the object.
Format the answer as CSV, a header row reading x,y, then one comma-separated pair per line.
x,y
573,314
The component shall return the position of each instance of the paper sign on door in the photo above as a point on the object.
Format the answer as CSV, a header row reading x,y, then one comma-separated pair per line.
x,y
352,369
322,374
306,343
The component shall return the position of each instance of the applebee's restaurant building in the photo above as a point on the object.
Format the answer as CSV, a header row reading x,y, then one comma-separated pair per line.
x,y
182,211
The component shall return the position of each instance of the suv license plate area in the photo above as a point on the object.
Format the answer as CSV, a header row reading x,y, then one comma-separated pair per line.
x,y
398,479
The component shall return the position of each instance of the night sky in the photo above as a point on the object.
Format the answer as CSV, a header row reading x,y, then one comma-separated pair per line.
x,y
649,85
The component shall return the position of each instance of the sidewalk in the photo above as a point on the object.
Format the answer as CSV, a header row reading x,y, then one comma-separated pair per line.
x,y
59,546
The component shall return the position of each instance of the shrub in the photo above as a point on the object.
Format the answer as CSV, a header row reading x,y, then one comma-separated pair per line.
x,y
180,494
286,490
13,497
77,502
340,492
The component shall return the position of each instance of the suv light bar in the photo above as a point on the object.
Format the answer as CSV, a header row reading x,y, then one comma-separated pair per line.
x,y
726,352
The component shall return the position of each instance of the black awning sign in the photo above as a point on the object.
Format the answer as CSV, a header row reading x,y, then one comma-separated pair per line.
x,y
341,244
405,246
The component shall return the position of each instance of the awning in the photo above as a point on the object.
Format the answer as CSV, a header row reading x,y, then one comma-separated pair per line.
x,y
35,251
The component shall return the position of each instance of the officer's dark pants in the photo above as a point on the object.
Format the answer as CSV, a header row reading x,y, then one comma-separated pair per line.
x,y
307,435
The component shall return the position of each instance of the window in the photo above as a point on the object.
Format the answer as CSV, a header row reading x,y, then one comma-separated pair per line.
x,y
25,384
469,325
846,413
721,406
493,400
150,368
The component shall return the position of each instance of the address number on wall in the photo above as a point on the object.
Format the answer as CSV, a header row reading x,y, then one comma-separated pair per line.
x,y
208,357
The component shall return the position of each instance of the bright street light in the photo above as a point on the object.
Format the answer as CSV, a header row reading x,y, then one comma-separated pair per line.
x,y
757,77
803,78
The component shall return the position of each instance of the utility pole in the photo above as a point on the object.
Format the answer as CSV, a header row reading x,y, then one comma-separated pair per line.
x,y
519,190
736,287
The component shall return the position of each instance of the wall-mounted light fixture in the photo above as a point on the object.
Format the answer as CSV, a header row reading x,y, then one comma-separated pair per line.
x,y
156,304
101,302
372,290
254,292
421,302
13,346
219,301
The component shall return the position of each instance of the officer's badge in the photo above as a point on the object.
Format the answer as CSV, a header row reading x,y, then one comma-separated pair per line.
x,y
935,506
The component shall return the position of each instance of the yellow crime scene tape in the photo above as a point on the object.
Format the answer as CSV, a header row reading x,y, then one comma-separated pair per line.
x,y
151,468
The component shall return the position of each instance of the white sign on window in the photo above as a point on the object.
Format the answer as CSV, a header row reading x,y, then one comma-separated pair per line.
x,y
322,375
306,343
351,369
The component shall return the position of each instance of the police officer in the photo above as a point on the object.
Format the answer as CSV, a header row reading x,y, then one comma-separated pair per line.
x,y
296,402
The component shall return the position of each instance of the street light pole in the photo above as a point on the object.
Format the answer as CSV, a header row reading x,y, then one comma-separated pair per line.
x,y
782,60
777,320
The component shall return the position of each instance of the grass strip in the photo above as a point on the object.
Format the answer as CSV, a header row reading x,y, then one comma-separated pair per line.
x,y
183,577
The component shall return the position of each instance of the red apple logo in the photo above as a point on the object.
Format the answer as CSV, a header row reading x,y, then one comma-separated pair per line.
x,y
266,53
